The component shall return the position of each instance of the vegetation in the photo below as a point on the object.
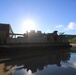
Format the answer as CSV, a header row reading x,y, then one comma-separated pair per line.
x,y
73,40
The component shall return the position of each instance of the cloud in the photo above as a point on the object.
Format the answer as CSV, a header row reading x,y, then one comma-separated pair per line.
x,y
59,26
71,26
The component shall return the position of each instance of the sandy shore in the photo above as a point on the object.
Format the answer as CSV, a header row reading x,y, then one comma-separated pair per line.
x,y
73,45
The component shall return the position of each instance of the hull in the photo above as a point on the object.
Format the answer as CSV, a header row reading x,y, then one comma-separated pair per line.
x,y
11,50
34,46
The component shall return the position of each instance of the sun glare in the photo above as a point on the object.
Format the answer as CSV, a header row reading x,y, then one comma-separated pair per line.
x,y
28,25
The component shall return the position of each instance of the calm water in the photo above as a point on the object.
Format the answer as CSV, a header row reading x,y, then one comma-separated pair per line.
x,y
40,63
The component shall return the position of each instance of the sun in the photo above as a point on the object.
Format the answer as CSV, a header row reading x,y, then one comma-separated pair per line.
x,y
28,25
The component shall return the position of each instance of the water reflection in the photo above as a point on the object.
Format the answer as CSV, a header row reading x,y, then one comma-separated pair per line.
x,y
42,63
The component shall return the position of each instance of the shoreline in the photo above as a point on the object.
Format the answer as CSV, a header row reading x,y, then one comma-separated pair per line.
x,y
73,49
73,45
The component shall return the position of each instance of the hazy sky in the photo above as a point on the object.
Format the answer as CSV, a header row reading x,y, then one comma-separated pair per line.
x,y
43,15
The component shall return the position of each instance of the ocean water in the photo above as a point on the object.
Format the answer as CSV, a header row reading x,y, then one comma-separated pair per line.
x,y
45,62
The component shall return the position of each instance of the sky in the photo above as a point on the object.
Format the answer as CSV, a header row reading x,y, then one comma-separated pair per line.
x,y
39,15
